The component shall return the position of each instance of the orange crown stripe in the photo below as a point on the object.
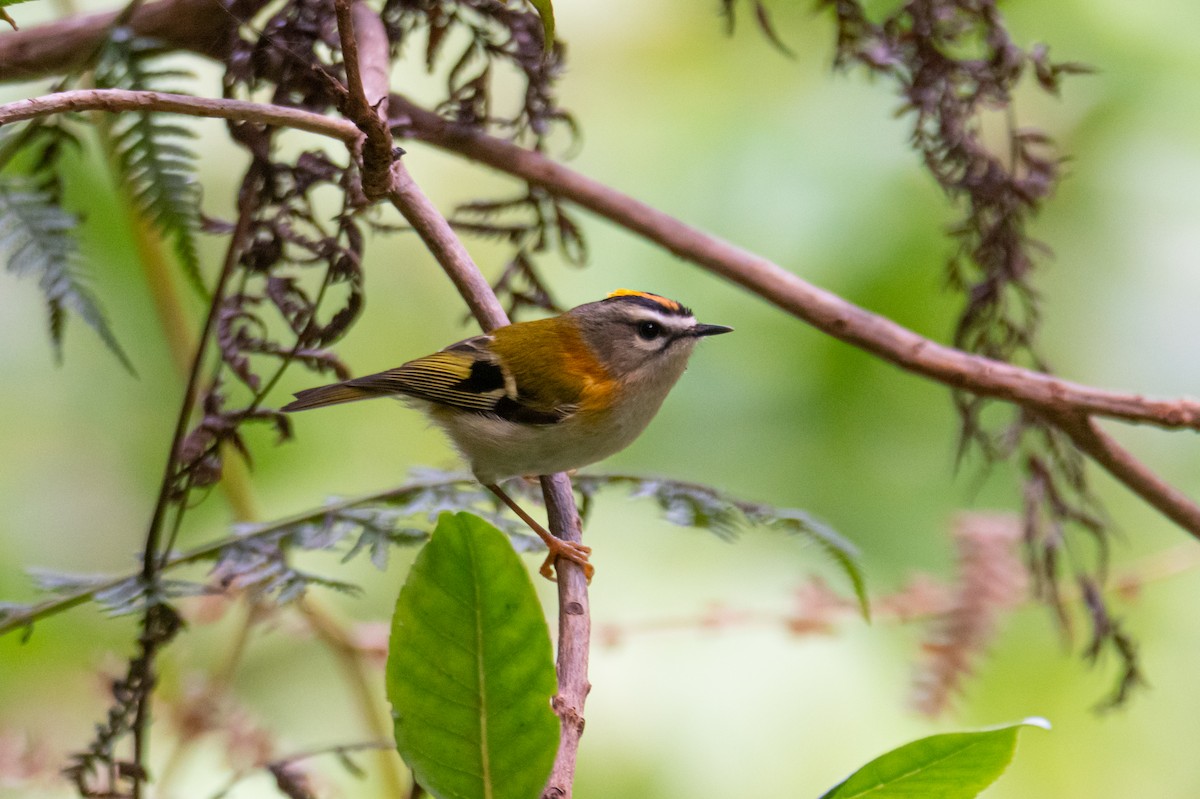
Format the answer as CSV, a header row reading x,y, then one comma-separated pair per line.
x,y
670,305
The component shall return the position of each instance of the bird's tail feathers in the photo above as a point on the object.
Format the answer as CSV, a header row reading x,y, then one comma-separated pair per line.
x,y
321,396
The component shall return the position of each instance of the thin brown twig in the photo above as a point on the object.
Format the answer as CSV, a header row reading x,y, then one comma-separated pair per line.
x,y
920,603
366,102
151,565
1062,400
824,310
878,335
126,100
828,312
64,45
1135,475
24,619
247,200
574,637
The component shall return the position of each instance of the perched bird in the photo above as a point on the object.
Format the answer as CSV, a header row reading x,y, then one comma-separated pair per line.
x,y
545,396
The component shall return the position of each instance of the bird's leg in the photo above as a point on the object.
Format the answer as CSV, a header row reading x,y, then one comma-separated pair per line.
x,y
558,547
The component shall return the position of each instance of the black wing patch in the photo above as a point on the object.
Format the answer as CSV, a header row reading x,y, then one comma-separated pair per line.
x,y
485,377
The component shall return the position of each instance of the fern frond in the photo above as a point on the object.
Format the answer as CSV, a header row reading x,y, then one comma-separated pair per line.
x,y
704,507
37,242
152,159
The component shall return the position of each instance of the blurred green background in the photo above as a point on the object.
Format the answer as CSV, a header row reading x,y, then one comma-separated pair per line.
x,y
809,169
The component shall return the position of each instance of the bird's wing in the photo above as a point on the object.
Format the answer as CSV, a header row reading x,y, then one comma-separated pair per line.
x,y
466,375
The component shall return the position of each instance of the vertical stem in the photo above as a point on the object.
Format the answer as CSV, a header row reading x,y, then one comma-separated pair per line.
x,y
247,199
574,620
367,90
574,636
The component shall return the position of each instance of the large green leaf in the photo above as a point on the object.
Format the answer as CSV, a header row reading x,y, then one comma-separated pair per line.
x,y
955,765
470,670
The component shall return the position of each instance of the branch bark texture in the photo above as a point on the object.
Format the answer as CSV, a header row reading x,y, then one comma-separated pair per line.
x,y
824,310
201,26
117,100
46,49
367,85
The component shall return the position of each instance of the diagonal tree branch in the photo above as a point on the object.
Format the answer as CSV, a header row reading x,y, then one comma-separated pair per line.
x,y
1137,477
1062,401
1070,406
201,26
824,310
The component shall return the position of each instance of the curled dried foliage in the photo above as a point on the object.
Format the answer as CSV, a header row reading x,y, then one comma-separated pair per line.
x,y
485,39
290,56
476,42
991,581
291,265
956,67
532,223
100,770
1108,635
269,309
762,19
954,64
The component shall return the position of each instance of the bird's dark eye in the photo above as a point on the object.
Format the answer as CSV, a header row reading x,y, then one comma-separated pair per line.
x,y
649,331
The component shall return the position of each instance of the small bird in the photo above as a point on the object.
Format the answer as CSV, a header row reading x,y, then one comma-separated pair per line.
x,y
545,396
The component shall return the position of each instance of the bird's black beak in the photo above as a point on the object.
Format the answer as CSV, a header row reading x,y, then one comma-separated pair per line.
x,y
709,330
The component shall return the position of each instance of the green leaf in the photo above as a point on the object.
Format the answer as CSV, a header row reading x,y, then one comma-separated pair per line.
x,y
955,765
696,505
545,9
470,671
